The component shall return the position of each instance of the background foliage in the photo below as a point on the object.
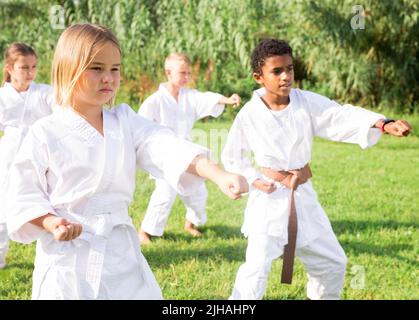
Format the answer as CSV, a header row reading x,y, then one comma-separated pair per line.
x,y
374,67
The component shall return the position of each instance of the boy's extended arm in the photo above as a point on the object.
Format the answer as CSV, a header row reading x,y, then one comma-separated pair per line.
x,y
233,185
234,99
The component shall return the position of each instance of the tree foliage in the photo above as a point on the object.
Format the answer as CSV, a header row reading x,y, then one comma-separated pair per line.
x,y
375,66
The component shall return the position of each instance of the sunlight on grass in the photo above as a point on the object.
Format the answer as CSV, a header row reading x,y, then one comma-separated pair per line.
x,y
370,197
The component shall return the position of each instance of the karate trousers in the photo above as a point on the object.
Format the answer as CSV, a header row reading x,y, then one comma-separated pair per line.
x,y
4,244
161,202
323,258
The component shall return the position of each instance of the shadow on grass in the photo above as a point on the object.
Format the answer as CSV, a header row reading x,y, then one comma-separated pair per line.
x,y
19,265
356,226
164,257
224,243
392,250
223,232
218,243
211,231
356,247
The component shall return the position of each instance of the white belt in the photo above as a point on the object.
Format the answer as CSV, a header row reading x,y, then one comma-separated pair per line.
x,y
98,223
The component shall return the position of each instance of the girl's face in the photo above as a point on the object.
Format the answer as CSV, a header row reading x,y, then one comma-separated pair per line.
x,y
100,81
179,74
22,72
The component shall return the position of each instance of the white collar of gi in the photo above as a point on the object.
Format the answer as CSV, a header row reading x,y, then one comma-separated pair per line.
x,y
257,98
264,111
15,94
77,123
259,93
163,88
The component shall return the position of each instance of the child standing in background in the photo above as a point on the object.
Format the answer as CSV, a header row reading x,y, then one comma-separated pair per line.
x,y
74,177
22,102
178,108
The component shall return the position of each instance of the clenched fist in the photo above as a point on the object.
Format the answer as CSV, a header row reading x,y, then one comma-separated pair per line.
x,y
399,128
62,229
233,185
265,186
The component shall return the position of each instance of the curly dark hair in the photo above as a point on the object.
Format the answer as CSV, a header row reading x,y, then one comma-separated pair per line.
x,y
265,49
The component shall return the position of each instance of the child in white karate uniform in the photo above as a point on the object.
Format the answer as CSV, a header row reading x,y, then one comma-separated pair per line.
x,y
74,176
22,102
283,213
178,108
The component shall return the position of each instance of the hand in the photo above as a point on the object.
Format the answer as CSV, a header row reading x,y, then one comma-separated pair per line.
x,y
233,185
62,229
234,100
398,128
265,186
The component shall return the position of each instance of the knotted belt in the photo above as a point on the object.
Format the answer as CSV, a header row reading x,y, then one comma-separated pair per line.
x,y
290,179
98,223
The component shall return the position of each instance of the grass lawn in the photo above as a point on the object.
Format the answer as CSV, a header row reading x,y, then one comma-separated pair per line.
x,y
370,196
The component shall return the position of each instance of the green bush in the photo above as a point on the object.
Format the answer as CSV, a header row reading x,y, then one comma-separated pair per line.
x,y
373,67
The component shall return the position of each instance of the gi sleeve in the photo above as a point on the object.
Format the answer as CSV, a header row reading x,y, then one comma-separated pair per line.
x,y
2,120
206,104
47,94
164,155
27,195
345,123
149,109
235,155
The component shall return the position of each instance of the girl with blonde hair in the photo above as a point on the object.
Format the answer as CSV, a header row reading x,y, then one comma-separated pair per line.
x,y
22,102
74,177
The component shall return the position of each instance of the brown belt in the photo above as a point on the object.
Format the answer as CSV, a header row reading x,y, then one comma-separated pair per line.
x,y
291,179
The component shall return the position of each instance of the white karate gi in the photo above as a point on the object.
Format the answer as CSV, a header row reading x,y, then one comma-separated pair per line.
x,y
65,167
18,111
180,116
282,140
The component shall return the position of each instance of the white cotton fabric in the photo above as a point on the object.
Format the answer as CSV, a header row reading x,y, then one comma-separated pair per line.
x,y
67,168
18,111
282,140
324,260
180,116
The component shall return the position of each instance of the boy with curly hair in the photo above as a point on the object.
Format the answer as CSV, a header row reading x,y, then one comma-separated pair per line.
x,y
283,216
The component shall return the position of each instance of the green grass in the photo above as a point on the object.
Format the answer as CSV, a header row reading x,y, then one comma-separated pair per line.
x,y
370,197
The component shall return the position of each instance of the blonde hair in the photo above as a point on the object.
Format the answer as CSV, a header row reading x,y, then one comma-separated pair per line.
x,y
75,50
12,53
176,57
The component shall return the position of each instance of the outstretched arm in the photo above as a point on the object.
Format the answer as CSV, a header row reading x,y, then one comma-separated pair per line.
x,y
347,123
233,185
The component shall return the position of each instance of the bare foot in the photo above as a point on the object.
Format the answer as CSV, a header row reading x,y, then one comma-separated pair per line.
x,y
192,229
145,238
